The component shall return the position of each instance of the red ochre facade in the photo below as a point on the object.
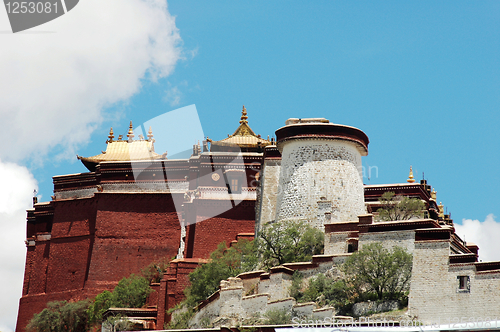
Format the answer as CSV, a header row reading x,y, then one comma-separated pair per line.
x,y
94,242
104,225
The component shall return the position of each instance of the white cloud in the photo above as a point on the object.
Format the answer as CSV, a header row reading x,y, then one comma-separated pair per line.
x,y
484,234
55,81
173,96
55,85
15,197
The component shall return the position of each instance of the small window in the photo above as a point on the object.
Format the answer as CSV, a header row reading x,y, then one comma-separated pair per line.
x,y
463,284
235,188
352,246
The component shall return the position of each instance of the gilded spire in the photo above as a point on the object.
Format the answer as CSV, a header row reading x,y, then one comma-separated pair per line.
x,y
110,136
130,134
434,194
411,179
244,116
150,134
441,210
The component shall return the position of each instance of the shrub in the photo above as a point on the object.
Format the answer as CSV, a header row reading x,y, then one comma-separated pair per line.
x,y
291,241
61,316
224,263
130,292
325,291
399,207
277,317
102,302
375,269
154,272
296,287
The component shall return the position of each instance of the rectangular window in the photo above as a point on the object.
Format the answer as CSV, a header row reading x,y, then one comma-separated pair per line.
x,y
234,186
463,284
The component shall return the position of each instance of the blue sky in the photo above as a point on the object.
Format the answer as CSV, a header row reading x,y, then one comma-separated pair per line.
x,y
421,79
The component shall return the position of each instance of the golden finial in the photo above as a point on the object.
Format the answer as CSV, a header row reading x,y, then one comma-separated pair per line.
x,y
244,116
434,194
441,210
111,136
410,178
130,134
150,134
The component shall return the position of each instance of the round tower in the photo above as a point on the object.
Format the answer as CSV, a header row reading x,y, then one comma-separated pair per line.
x,y
321,172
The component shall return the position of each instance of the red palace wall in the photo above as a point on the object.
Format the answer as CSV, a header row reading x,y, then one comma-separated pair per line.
x,y
203,237
73,228
94,243
131,232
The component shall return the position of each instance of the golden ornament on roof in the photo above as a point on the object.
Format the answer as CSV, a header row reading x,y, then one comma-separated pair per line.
x,y
411,179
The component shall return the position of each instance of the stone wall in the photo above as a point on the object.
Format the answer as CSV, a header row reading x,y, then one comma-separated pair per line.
x,y
435,291
268,192
435,295
271,291
229,306
336,243
404,239
277,285
320,181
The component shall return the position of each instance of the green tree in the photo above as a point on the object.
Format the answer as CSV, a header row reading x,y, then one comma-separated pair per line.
x,y
291,241
379,270
130,292
224,263
323,290
102,302
277,317
61,316
277,244
326,291
399,207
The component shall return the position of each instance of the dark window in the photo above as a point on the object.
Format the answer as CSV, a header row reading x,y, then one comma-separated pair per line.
x,y
352,246
463,284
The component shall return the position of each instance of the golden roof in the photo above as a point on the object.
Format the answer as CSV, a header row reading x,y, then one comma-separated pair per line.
x,y
243,136
124,150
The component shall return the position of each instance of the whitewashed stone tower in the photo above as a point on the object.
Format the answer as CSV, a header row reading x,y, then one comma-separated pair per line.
x,y
320,178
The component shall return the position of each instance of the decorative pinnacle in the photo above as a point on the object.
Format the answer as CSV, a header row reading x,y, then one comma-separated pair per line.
x,y
441,210
111,136
150,134
410,178
434,194
130,134
244,116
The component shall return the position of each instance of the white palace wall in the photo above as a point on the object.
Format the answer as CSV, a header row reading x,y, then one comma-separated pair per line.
x,y
268,192
320,181
435,296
